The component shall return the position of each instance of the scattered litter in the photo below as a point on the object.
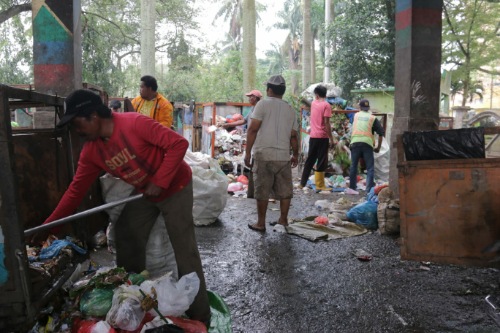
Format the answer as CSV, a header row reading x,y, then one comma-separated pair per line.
x,y
323,204
362,255
323,220
391,310
351,191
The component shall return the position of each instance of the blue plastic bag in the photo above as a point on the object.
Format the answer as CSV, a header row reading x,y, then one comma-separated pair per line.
x,y
56,247
371,196
364,214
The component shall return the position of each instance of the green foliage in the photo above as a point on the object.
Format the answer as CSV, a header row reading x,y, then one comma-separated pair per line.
x,y
470,41
364,34
221,80
16,51
111,39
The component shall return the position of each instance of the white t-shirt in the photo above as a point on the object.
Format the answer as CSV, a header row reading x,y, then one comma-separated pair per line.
x,y
273,138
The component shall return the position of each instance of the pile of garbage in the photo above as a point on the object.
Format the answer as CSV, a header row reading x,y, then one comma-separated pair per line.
x,y
238,184
378,211
229,146
113,300
109,299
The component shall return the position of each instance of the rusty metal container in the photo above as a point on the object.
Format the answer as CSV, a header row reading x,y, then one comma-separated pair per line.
x,y
36,166
450,209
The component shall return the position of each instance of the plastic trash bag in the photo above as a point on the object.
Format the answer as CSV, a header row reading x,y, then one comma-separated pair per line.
x,y
102,327
55,248
323,204
221,316
439,145
234,187
160,257
371,196
382,161
209,193
83,326
364,214
126,312
174,298
96,302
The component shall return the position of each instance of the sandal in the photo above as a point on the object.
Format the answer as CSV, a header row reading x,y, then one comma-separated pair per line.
x,y
254,228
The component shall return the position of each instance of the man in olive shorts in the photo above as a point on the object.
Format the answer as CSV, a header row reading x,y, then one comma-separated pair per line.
x,y
273,130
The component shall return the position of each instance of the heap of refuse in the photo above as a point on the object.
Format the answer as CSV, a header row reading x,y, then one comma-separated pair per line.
x,y
110,299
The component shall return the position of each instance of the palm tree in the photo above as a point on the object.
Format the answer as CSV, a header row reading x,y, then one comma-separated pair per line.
x,y
277,60
248,55
307,43
232,11
291,17
474,88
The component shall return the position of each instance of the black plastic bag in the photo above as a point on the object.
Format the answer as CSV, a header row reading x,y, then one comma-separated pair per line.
x,y
167,328
442,145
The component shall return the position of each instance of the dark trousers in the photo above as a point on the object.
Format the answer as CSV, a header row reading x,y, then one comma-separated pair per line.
x,y
364,150
318,150
132,232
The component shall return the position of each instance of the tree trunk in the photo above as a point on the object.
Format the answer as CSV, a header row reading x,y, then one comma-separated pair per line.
x,y
313,62
306,47
328,20
248,53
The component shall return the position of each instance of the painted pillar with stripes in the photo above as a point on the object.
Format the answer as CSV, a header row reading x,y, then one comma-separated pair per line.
x,y
418,71
57,50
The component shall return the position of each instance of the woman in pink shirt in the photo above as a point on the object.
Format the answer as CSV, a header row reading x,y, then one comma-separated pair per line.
x,y
319,141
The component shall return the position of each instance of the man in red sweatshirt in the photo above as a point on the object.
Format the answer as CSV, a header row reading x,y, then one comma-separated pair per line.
x,y
150,157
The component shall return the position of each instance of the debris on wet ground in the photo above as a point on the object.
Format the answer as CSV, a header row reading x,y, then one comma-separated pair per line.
x,y
363,255
272,279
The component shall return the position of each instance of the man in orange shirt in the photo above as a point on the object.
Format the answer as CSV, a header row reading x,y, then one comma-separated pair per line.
x,y
153,104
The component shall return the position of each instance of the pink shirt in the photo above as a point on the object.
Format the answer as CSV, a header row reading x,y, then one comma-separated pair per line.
x,y
319,110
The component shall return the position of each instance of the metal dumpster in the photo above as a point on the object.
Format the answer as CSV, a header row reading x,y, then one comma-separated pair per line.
x,y
36,166
450,209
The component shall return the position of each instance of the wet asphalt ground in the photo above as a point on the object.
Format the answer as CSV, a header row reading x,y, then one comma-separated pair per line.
x,y
276,282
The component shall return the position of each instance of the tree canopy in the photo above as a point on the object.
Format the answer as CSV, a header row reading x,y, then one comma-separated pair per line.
x,y
364,34
471,41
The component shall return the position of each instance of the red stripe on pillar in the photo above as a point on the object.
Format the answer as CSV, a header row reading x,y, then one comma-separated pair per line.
x,y
403,19
53,76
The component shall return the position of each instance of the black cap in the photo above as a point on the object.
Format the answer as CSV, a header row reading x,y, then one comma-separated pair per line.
x,y
364,105
80,103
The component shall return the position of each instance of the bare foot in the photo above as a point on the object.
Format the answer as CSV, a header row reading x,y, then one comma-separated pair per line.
x,y
256,227
285,223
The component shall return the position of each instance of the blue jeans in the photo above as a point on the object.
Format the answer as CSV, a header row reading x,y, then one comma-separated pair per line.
x,y
364,150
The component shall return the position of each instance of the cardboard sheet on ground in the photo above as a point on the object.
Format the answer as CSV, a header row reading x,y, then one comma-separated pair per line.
x,y
314,232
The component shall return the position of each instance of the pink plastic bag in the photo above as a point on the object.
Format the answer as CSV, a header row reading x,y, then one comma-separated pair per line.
x,y
242,179
234,187
323,220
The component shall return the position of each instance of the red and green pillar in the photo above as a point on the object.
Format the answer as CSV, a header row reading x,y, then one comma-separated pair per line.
x,y
418,70
57,52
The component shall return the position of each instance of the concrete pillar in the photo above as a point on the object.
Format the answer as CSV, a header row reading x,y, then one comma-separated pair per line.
x,y
417,75
57,46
